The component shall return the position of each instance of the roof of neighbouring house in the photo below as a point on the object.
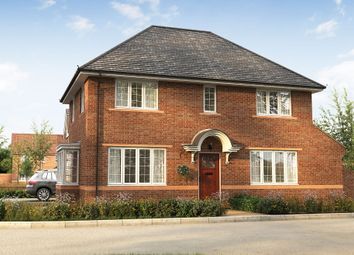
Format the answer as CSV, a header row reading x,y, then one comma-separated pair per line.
x,y
193,54
55,139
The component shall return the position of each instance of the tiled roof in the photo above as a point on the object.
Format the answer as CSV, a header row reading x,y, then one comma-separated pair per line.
x,y
192,54
54,139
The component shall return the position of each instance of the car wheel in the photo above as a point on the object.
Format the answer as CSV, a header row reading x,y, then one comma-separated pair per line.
x,y
43,194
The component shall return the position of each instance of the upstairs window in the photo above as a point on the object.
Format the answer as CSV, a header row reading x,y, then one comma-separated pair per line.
x,y
72,111
209,99
134,94
82,101
273,102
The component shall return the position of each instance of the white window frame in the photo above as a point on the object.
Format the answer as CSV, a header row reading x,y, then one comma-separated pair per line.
x,y
61,162
268,103
73,111
143,104
137,164
261,182
82,100
204,88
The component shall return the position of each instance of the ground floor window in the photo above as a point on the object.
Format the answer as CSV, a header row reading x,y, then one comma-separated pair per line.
x,y
273,167
68,166
136,166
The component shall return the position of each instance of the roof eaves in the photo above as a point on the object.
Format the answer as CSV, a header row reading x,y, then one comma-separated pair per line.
x,y
201,79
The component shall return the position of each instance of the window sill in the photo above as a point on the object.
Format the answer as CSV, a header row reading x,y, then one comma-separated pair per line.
x,y
274,184
135,110
136,185
210,113
274,117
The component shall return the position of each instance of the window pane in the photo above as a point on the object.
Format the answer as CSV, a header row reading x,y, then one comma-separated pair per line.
x,y
159,166
279,166
209,99
261,102
137,89
129,168
255,167
144,166
82,100
267,167
150,95
284,103
70,173
273,102
291,166
114,167
122,93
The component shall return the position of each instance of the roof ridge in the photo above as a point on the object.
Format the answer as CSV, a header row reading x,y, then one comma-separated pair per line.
x,y
250,51
183,29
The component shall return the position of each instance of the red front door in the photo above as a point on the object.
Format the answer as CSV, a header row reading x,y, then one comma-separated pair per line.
x,y
208,174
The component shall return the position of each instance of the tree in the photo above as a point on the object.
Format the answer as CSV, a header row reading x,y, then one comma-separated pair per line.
x,y
17,153
26,168
5,154
339,123
36,149
3,139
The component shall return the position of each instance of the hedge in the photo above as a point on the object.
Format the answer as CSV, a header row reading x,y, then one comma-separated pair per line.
x,y
109,209
14,194
276,204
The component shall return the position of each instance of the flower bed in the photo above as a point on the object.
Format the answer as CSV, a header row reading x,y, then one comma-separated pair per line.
x,y
109,209
276,204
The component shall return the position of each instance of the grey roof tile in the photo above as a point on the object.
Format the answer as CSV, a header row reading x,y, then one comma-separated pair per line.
x,y
193,54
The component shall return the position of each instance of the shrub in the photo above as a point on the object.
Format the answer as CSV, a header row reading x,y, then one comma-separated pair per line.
x,y
273,205
14,194
110,209
57,211
2,209
312,204
244,202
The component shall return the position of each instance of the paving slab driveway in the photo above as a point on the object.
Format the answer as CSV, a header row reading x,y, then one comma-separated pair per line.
x,y
334,236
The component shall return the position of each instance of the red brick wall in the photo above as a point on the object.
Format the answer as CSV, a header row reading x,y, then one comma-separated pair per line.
x,y
348,179
180,117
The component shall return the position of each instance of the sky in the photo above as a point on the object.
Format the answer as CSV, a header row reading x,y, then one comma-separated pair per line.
x,y
43,41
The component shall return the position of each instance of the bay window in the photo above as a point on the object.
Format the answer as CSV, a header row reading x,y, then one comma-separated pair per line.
x,y
136,166
68,164
273,167
136,94
273,102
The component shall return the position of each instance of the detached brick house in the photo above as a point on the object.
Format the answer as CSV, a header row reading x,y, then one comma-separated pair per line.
x,y
169,97
49,162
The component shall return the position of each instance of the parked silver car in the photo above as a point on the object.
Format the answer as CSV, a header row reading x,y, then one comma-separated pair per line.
x,y
42,184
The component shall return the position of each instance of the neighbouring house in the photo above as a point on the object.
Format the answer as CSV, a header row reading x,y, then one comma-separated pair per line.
x,y
49,161
170,97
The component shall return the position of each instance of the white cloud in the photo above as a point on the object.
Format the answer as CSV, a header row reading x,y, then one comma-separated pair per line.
x,y
46,4
337,77
347,55
129,10
340,7
326,29
142,12
11,76
80,24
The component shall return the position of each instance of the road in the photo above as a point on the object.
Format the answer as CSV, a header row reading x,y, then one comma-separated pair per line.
x,y
282,237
